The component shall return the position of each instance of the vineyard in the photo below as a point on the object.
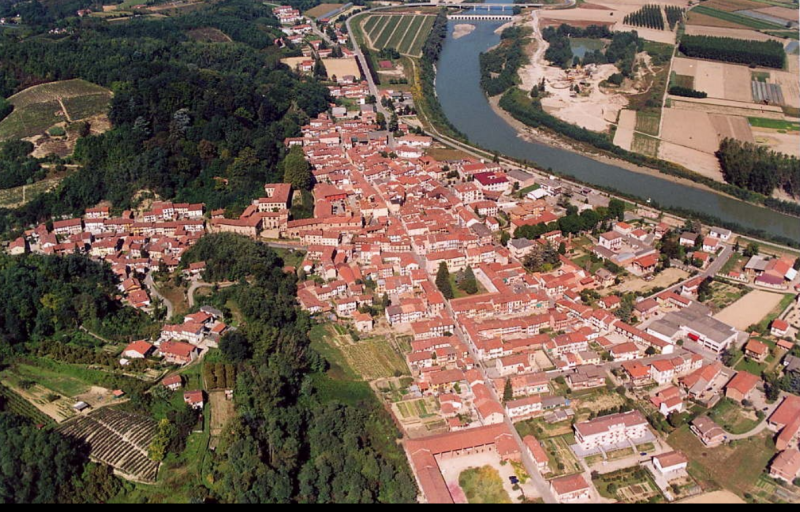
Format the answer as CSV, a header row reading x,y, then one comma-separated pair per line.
x,y
406,33
18,405
119,439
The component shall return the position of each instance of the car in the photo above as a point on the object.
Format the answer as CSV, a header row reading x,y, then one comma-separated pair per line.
x,y
513,479
765,409
643,454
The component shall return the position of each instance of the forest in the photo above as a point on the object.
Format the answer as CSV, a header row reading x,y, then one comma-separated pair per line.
x,y
756,168
194,122
754,53
16,167
287,444
44,295
499,66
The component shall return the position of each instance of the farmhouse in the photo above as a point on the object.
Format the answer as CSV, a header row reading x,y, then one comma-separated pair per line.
x,y
194,399
670,463
741,385
172,382
138,350
708,432
177,352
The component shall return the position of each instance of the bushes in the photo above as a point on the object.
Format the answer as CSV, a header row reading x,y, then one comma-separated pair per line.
x,y
762,53
677,90
499,66
757,168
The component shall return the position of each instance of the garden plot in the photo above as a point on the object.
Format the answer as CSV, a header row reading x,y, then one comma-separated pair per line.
x,y
689,128
731,127
119,439
717,79
735,33
624,134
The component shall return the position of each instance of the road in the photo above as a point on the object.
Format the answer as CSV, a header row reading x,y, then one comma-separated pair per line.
x,y
200,284
711,271
148,282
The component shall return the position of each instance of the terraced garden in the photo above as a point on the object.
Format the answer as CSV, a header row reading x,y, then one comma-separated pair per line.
x,y
119,439
404,33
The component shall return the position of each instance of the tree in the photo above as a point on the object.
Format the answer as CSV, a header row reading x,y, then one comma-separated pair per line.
x,y
650,351
508,391
562,248
443,281
751,250
297,172
617,209
469,283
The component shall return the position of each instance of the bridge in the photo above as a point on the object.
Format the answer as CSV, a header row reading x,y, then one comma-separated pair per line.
x,y
479,17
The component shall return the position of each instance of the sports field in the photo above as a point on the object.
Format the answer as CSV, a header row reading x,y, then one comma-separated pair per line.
x,y
404,33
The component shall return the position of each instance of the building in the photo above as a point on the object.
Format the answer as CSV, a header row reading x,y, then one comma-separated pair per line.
x,y
670,463
537,453
708,432
426,453
786,466
741,385
194,399
696,323
177,352
172,382
611,429
779,327
138,350
569,489
756,350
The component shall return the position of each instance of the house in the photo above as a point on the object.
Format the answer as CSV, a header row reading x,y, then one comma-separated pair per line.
x,y
172,382
138,350
721,233
178,352
624,351
537,453
786,466
524,407
670,463
668,400
587,377
194,399
610,429
688,239
569,489
779,328
363,322
756,350
741,385
708,432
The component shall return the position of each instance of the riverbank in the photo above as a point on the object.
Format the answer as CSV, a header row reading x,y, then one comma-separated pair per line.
x,y
462,29
535,135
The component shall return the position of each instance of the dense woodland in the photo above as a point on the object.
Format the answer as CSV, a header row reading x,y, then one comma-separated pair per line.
x,y
755,53
16,167
648,16
756,168
499,66
288,444
193,121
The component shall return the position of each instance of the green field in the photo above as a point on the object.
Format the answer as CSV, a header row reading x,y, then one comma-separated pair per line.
x,y
774,124
647,122
645,145
483,485
736,468
736,18
683,81
38,108
731,417
404,33
54,381
13,197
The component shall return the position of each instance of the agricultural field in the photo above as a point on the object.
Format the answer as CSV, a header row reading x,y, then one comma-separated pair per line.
x,y
221,411
17,196
774,124
42,106
404,33
736,19
645,145
321,10
368,359
736,467
647,122
18,405
119,439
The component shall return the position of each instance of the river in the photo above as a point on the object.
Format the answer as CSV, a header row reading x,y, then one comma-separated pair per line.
x,y
467,108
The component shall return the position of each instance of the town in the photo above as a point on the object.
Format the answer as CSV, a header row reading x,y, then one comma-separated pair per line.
x,y
531,307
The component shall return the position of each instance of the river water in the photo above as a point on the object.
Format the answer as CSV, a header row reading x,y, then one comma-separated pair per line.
x,y
467,108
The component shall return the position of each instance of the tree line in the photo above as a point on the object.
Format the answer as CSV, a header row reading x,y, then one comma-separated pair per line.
x,y
648,16
757,168
755,53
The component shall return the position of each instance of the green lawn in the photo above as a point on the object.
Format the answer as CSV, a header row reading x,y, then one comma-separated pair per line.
x,y
774,124
61,384
483,485
750,366
729,415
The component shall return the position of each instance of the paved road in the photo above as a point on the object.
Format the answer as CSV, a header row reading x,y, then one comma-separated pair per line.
x,y
148,282
200,284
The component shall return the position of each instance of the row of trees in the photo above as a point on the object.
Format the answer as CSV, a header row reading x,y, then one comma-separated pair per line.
x,y
648,16
677,90
757,168
756,53
674,15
